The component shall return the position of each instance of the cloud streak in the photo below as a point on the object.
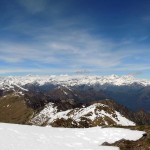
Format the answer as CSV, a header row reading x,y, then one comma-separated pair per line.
x,y
49,36
71,50
74,47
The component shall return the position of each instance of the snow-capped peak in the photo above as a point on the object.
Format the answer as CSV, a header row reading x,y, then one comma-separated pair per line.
x,y
67,80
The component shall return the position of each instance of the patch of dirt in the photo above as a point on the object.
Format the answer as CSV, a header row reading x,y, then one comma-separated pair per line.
x,y
13,109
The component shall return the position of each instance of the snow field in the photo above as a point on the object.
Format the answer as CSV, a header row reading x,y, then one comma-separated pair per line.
x,y
22,137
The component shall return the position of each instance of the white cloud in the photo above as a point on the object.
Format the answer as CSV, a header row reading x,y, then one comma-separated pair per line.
x,y
64,42
75,49
69,49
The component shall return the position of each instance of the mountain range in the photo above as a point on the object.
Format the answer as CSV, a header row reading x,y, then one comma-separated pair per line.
x,y
75,101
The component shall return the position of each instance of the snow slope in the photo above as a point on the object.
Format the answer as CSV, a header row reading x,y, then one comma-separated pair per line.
x,y
21,137
95,111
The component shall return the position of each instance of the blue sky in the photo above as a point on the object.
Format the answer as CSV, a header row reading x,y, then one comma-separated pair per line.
x,y
67,36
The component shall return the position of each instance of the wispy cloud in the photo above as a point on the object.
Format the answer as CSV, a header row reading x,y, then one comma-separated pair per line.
x,y
75,49
50,36
34,71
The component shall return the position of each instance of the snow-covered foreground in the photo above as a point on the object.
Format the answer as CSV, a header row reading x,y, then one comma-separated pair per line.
x,y
21,137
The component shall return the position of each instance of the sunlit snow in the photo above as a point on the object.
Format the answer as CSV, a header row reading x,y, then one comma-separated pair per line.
x,y
21,137
50,114
11,81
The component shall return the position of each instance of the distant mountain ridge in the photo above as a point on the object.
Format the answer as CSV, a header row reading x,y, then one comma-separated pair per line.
x,y
65,80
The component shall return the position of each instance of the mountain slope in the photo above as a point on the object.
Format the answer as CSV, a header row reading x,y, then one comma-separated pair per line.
x,y
87,116
140,117
38,109
13,109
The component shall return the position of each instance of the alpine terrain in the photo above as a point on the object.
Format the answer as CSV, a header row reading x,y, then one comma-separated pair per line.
x,y
75,101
